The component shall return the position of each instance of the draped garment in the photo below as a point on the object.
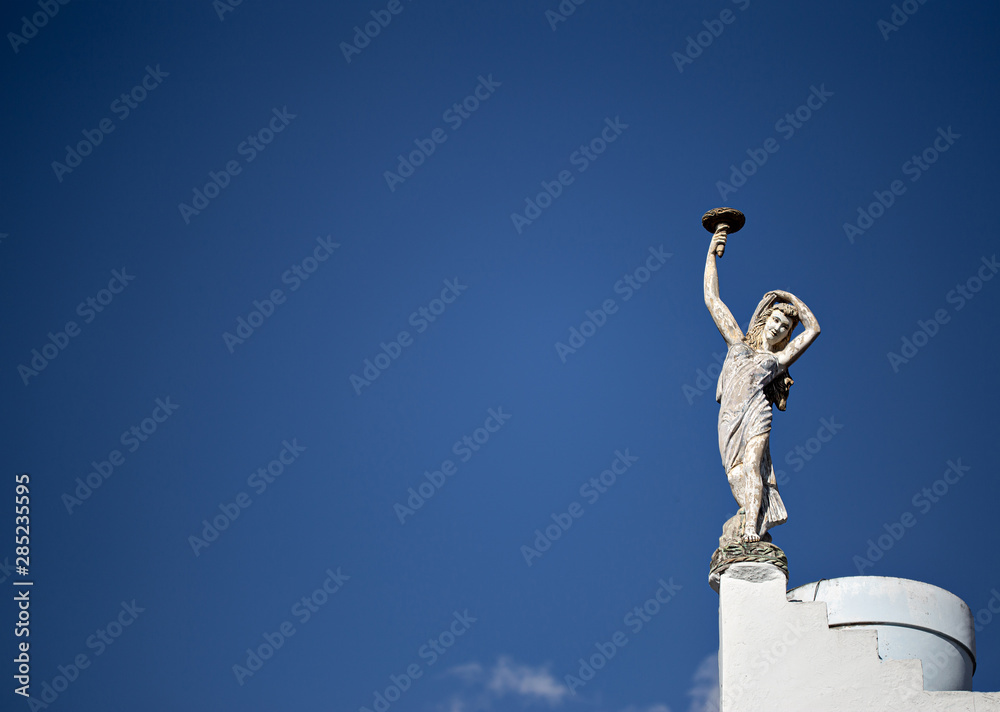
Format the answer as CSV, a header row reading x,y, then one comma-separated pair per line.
x,y
745,412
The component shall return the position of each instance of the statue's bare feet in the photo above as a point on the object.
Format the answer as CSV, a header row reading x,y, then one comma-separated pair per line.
x,y
750,534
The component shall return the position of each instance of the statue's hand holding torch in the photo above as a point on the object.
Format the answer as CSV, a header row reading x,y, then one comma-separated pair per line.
x,y
720,222
719,240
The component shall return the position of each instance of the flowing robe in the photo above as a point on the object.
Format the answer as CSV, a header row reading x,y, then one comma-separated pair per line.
x,y
745,413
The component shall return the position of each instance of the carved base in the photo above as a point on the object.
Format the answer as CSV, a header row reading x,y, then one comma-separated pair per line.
x,y
760,552
732,549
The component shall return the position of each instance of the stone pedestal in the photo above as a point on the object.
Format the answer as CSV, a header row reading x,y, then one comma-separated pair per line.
x,y
737,552
783,656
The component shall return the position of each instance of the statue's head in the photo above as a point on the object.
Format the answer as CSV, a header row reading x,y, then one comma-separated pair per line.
x,y
772,329
779,325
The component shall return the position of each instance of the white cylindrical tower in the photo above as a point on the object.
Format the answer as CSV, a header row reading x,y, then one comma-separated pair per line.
x,y
914,620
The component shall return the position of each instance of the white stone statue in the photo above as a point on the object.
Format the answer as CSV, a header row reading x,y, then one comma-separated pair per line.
x,y
754,377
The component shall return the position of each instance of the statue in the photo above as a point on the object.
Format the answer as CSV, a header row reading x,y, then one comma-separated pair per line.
x,y
754,377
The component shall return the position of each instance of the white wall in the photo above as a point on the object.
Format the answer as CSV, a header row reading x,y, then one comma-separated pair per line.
x,y
781,656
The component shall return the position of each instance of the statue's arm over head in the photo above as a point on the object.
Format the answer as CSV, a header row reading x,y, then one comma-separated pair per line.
x,y
721,315
788,355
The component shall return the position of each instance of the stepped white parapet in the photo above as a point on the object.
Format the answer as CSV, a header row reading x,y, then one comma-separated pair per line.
x,y
913,620
783,656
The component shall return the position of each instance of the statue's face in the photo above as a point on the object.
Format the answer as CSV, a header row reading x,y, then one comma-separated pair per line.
x,y
776,327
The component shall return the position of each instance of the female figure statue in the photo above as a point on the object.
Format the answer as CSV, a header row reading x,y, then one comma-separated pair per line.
x,y
754,376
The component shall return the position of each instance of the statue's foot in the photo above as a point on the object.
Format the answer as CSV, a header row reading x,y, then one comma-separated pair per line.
x,y
750,534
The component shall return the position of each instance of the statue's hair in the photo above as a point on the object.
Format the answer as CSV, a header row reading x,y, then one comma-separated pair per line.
x,y
777,390
755,334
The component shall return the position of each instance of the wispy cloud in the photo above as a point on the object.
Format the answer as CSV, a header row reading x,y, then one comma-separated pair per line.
x,y
509,679
525,681
470,672
506,678
704,692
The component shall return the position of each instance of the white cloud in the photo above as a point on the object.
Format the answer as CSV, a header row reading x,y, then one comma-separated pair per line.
x,y
470,672
533,683
508,678
704,692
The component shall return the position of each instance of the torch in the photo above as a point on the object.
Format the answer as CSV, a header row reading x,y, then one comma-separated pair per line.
x,y
727,220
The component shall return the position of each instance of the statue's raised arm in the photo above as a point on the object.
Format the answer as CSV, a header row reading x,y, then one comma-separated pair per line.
x,y
721,315
795,348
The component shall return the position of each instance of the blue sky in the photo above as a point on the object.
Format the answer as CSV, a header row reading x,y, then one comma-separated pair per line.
x,y
314,269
